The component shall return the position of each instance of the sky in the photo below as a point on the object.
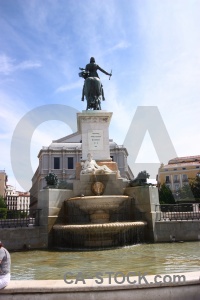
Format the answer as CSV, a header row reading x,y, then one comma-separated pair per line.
x,y
151,46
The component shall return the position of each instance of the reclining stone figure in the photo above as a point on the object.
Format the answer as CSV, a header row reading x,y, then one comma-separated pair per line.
x,y
90,166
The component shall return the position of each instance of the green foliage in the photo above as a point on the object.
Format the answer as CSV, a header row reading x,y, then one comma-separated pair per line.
x,y
13,214
3,213
23,214
195,186
2,202
191,190
165,195
185,193
16,214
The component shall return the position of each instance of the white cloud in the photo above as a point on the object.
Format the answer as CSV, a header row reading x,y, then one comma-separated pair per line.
x,y
164,71
27,65
9,112
12,109
119,46
9,65
68,87
122,114
170,74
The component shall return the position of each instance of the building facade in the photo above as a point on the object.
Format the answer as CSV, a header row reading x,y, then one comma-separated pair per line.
x,y
62,157
3,180
178,171
17,200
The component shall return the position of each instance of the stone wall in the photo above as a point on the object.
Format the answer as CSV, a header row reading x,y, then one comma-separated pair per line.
x,y
90,290
146,197
180,230
50,201
113,185
24,238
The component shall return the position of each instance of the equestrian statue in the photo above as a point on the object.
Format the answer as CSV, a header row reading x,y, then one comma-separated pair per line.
x,y
92,88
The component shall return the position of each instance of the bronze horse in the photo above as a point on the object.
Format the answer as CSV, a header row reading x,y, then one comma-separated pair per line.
x,y
92,90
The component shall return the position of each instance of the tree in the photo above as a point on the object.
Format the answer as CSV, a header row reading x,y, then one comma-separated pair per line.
x,y
185,193
165,195
191,190
3,209
2,202
195,186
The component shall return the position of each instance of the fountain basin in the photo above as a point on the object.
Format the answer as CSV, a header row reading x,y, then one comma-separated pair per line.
x,y
98,221
99,235
99,208
97,228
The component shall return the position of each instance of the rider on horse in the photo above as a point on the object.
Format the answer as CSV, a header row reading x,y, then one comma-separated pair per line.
x,y
92,68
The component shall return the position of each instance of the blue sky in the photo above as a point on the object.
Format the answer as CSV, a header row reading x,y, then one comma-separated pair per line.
x,y
152,47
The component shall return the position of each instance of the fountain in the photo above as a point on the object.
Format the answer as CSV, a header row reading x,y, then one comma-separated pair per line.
x,y
99,214
104,228
101,211
98,208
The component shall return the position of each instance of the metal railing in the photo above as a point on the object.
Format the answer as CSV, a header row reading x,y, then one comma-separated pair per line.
x,y
176,181
177,212
185,180
19,218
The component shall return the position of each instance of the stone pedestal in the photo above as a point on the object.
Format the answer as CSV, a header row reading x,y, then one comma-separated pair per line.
x,y
50,201
113,185
146,197
94,126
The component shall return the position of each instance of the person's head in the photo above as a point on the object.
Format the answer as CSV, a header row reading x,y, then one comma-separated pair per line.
x,y
92,60
1,245
89,156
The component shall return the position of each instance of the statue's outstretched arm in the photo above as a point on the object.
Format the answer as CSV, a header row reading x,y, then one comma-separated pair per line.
x,y
102,70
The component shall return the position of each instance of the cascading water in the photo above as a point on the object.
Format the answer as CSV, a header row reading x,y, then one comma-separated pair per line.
x,y
98,222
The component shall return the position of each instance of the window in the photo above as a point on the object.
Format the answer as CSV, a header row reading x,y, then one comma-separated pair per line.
x,y
167,179
176,178
111,157
176,187
184,177
56,162
70,162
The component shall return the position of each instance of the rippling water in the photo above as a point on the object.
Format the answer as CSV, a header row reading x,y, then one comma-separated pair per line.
x,y
145,258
